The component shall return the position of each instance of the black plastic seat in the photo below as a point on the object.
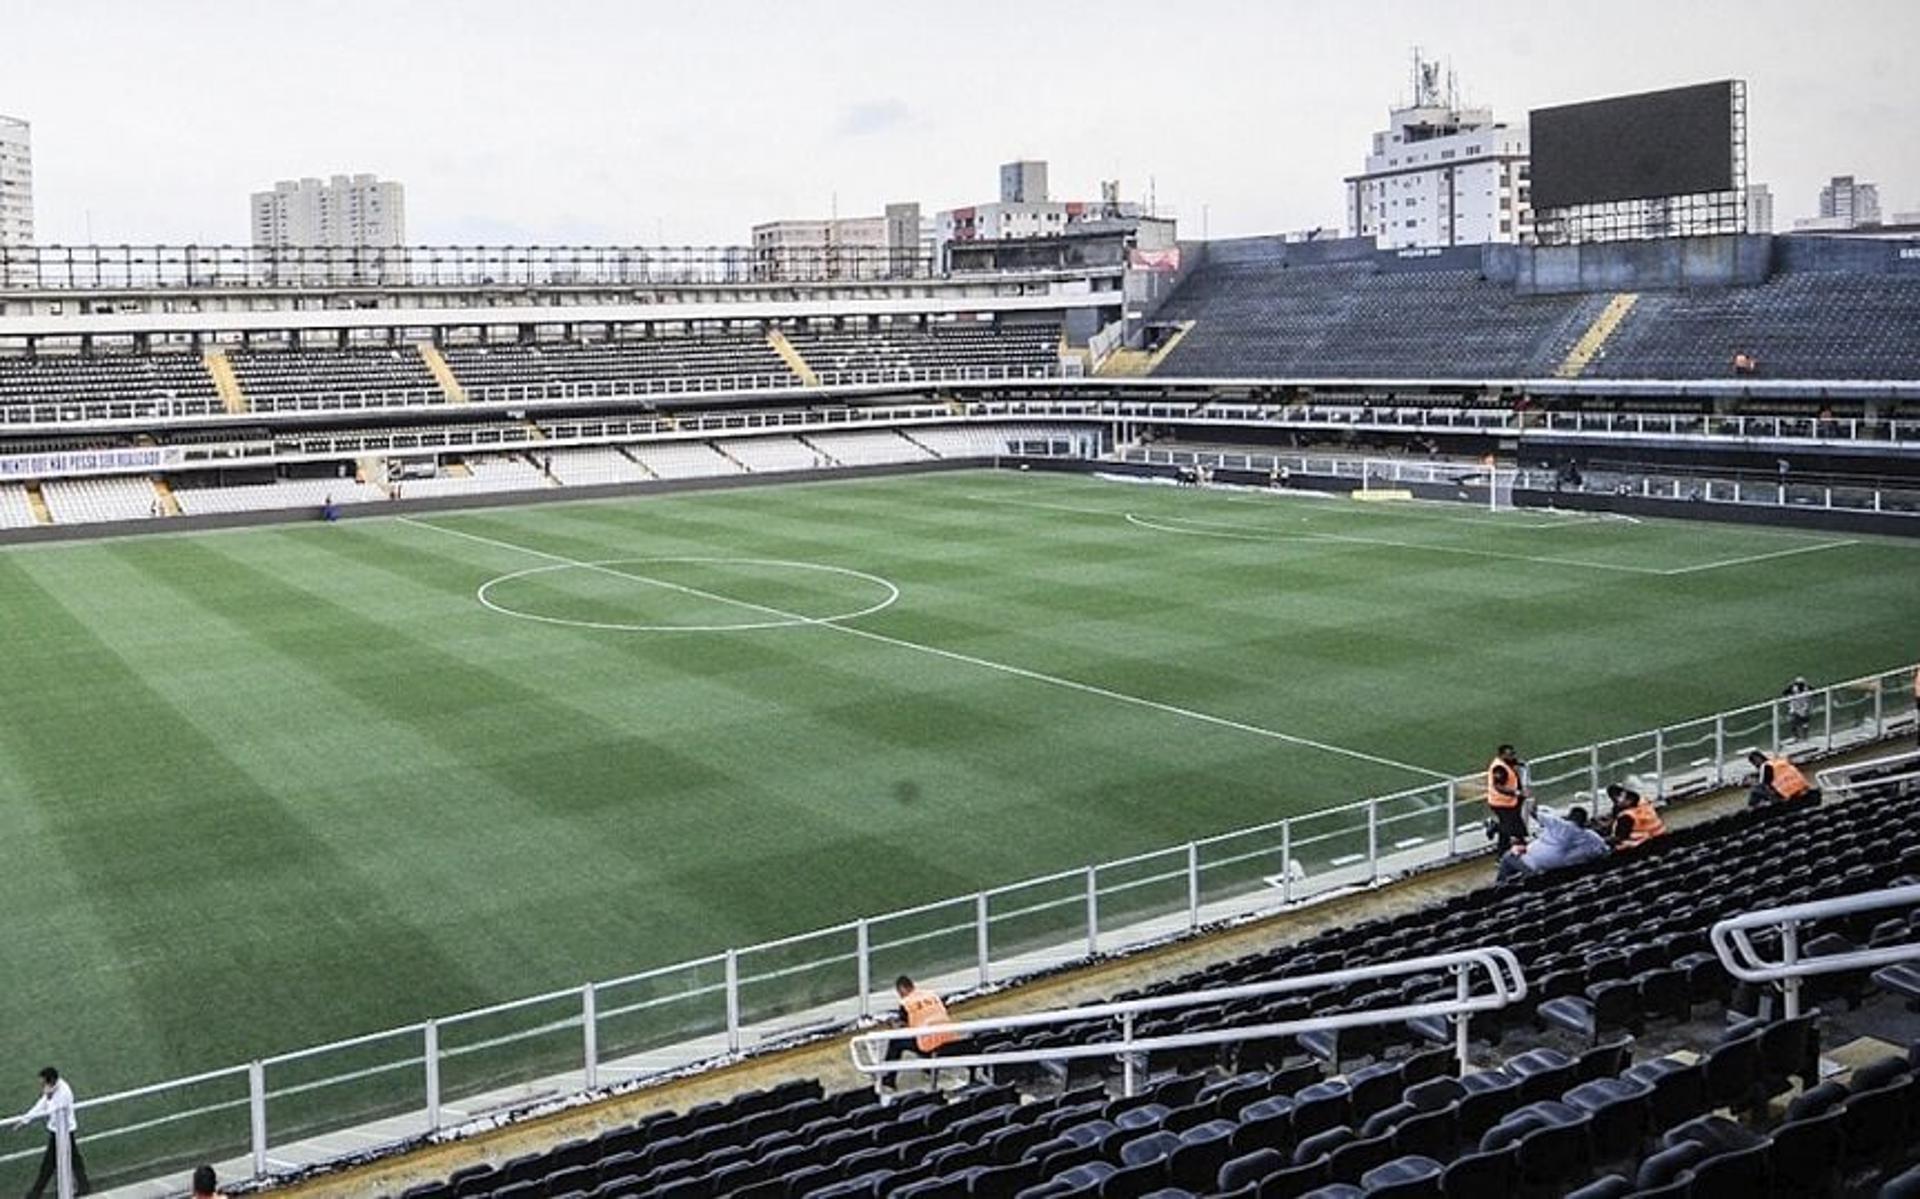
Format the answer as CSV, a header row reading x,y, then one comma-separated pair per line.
x,y
1902,979
1409,1177
1807,1154
1488,1172
1321,1144
1434,1134
1605,1006
1620,1108
1489,1095
1295,1180
1237,1172
1609,1186
1203,1149
1321,1106
1679,1089
1543,1074
1350,1161
1552,1139
1732,1071
1670,1165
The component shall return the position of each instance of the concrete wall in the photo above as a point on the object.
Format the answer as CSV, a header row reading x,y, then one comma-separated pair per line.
x,y
1654,265
1852,255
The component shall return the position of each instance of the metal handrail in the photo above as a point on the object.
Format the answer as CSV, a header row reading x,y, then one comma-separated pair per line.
x,y
1742,960
1839,780
1503,971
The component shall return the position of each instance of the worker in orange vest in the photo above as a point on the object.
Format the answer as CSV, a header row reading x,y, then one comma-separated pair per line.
x,y
1779,781
921,1008
1635,822
1506,791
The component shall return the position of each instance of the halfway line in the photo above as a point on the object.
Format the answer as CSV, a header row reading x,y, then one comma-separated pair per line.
x,y
950,655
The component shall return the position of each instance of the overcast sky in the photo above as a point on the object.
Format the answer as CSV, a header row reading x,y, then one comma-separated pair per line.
x,y
688,121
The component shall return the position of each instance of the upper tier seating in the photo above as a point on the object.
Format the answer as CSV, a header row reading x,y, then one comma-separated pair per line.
x,y
69,378
279,378
107,498
980,350
1611,949
1798,326
745,357
15,511
1255,316
1345,320
484,473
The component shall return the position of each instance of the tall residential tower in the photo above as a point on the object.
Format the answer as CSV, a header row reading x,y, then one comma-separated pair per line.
x,y
1441,174
16,182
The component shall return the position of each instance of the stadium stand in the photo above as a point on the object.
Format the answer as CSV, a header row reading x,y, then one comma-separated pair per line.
x,y
939,349
1254,315
1634,1066
870,449
271,378
16,512
597,465
769,454
281,494
1815,325
106,377
477,474
985,441
704,355
684,460
92,500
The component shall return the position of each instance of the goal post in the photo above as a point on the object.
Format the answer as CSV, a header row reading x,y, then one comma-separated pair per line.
x,y
1500,488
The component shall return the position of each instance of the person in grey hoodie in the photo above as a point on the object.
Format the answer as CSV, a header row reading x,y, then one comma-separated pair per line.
x,y
1562,841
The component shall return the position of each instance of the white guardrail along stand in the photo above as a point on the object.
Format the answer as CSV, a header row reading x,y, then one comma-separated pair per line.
x,y
1738,954
1495,965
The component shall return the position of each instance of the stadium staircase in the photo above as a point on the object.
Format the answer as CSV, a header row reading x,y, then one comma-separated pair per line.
x,y
778,343
922,446
815,447
163,492
630,456
1635,1062
721,450
1594,340
226,384
1123,363
442,372
37,503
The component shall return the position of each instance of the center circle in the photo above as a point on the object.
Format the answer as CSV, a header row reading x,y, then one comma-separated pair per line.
x,y
754,614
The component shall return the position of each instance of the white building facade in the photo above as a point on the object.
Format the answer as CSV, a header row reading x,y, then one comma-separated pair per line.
x,y
345,211
16,182
1849,202
1024,210
893,245
1759,208
1442,175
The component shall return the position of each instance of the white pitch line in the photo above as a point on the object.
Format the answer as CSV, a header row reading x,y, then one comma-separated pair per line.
x,y
1799,549
951,655
1308,535
1404,545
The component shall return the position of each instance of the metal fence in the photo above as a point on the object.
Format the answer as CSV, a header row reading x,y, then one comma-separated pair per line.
x,y
109,268
320,1105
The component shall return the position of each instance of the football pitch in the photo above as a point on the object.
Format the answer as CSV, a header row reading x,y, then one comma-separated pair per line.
x,y
270,787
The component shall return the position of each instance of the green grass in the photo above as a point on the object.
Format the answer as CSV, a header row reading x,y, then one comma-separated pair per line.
x,y
267,788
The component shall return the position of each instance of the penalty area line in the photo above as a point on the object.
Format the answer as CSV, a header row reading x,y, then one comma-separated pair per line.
x,y
1006,668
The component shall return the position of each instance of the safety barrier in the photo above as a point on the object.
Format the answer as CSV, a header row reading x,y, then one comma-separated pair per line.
x,y
1734,944
1505,983
316,1106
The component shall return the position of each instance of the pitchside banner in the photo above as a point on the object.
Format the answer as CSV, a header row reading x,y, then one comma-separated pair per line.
x,y
86,462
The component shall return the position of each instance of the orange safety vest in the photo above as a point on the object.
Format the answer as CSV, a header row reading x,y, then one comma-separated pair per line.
x,y
1495,798
1646,825
924,1008
1788,782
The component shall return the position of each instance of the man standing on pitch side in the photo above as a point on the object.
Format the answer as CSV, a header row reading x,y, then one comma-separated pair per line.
x,y
56,1107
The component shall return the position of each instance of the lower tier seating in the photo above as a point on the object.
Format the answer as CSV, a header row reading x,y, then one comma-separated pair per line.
x,y
1635,1066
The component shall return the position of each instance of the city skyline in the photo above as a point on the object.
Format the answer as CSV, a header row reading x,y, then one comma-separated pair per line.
x,y
645,123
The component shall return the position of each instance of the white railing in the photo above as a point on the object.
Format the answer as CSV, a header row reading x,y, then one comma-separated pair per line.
x,y
1506,983
1743,960
280,1114
1900,771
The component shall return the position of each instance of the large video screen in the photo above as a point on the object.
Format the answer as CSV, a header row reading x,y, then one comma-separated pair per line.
x,y
1670,143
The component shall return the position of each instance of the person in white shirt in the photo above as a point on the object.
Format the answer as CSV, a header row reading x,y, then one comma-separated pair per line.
x,y
56,1108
